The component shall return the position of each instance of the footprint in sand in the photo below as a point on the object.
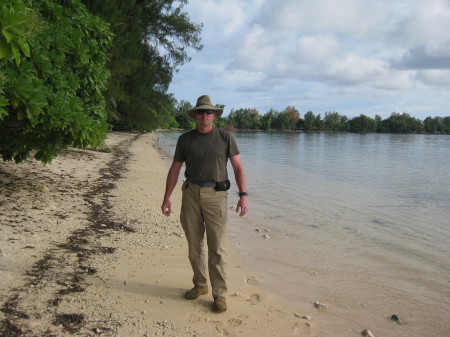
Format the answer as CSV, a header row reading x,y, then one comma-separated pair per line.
x,y
255,298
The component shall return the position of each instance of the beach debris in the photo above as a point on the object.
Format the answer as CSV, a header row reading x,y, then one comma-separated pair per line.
x,y
252,280
396,319
305,317
367,333
180,235
266,236
319,305
101,330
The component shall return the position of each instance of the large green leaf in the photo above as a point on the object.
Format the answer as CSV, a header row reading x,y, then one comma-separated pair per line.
x,y
24,46
8,35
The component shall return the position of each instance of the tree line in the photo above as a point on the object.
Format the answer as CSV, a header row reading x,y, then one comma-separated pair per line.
x,y
290,120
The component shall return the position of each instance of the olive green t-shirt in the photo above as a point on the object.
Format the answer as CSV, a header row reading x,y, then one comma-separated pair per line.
x,y
206,154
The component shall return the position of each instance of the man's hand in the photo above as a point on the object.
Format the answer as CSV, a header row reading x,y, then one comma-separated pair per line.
x,y
166,207
172,178
242,206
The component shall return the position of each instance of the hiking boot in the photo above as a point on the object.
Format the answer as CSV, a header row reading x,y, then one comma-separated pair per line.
x,y
196,292
220,304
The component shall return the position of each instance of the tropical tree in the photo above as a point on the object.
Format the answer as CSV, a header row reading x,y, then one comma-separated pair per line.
x,y
309,121
267,119
379,121
245,119
333,121
318,123
293,115
282,122
152,37
447,124
343,123
401,123
434,125
362,124
221,122
285,120
52,75
181,116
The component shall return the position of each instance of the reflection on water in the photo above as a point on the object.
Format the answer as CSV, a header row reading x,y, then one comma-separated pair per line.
x,y
358,220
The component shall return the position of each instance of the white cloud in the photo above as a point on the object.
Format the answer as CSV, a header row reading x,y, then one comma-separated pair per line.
x,y
354,17
439,78
353,54
427,22
256,52
218,16
423,35
317,48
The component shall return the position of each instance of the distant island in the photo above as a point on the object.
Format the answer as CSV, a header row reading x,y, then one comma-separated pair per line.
x,y
289,120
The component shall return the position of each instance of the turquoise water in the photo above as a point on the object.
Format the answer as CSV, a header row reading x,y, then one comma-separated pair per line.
x,y
360,222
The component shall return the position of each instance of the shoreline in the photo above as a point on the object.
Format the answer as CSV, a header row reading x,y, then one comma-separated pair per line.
x,y
86,251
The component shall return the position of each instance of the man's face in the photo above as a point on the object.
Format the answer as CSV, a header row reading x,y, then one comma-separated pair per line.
x,y
204,118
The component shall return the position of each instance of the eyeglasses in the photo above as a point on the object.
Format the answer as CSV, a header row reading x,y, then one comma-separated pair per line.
x,y
201,112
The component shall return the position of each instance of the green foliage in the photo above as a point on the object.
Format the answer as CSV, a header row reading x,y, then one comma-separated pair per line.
x,y
293,115
333,121
151,41
244,119
220,122
437,125
16,25
267,119
282,122
309,121
181,116
401,123
286,120
51,92
363,124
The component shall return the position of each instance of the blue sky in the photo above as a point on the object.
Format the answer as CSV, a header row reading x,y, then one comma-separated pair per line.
x,y
349,56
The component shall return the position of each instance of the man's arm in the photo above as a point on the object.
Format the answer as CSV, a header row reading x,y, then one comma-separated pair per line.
x,y
239,174
171,182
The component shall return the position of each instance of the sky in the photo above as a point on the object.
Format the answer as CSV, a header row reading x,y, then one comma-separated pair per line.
x,y
349,56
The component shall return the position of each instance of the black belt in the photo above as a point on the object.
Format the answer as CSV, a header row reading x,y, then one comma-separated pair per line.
x,y
204,183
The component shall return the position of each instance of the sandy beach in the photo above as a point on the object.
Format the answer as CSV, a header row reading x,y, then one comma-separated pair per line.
x,y
85,251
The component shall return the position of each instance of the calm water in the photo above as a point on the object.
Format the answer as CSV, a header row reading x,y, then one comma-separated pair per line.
x,y
359,222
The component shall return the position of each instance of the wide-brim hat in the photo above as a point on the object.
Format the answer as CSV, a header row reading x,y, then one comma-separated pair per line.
x,y
204,103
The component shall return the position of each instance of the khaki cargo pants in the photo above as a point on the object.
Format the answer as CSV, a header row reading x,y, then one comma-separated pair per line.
x,y
204,210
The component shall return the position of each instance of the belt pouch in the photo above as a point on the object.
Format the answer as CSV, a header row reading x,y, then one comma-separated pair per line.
x,y
222,185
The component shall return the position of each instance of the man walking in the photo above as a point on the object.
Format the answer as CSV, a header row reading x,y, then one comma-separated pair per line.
x,y
206,151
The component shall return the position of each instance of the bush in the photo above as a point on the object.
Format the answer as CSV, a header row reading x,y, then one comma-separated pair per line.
x,y
52,75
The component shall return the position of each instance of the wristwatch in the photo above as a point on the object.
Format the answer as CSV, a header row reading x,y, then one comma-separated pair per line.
x,y
241,194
